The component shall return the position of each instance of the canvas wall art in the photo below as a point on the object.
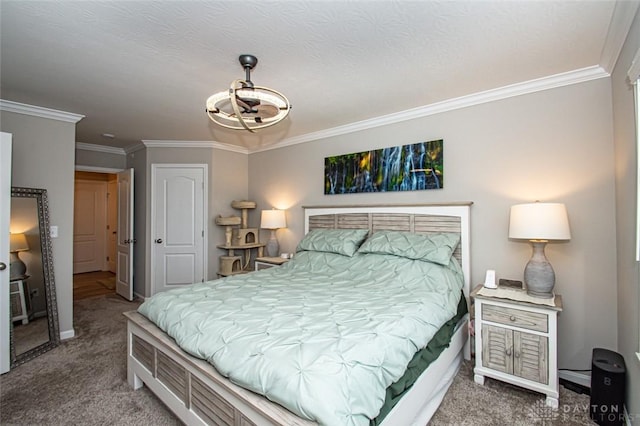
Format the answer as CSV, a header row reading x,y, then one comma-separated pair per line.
x,y
412,167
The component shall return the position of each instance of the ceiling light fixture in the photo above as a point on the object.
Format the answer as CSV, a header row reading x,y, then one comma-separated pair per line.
x,y
246,106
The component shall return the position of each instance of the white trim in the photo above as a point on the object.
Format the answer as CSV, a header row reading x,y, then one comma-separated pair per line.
x,y
100,148
133,148
67,334
636,106
531,86
5,221
634,70
36,111
95,169
621,20
194,144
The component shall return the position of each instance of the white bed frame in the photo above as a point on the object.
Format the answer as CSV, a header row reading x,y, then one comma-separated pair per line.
x,y
199,395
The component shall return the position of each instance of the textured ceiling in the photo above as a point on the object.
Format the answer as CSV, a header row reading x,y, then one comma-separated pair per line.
x,y
142,70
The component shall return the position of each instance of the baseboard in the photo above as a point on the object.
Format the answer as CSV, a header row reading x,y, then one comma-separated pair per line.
x,y
138,296
67,334
581,379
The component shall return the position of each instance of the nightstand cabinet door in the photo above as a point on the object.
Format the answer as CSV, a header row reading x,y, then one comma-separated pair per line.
x,y
530,357
497,344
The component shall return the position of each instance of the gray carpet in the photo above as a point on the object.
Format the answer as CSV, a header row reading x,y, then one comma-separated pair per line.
x,y
84,382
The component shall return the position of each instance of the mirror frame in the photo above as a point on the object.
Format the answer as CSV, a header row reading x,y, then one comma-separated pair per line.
x,y
49,283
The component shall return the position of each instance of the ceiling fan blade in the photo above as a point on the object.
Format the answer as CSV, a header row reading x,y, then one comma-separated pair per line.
x,y
267,111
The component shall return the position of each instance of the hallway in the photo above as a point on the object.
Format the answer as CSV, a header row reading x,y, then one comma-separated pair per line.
x,y
93,284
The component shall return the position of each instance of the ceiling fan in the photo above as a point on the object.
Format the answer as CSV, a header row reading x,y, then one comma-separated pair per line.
x,y
246,106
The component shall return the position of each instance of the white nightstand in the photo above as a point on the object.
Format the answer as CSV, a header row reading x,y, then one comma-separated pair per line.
x,y
517,342
269,262
18,294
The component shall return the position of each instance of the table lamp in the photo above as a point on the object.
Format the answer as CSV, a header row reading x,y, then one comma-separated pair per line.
x,y
17,243
273,220
539,223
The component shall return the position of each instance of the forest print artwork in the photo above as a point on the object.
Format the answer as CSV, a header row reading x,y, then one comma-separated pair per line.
x,y
411,167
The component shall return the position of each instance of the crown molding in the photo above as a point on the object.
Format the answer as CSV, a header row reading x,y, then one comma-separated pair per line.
x,y
100,148
531,86
133,148
623,14
194,144
94,169
36,111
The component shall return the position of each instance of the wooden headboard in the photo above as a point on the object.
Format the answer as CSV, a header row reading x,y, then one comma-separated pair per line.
x,y
416,218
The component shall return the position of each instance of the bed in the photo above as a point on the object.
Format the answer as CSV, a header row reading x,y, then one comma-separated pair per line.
x,y
198,394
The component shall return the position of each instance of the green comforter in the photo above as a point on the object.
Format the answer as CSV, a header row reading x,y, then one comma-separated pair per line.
x,y
323,335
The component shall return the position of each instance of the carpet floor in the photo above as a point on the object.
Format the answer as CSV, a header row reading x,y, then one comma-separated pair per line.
x,y
84,382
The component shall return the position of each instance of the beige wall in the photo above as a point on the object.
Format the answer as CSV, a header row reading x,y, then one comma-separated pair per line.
x,y
43,157
554,145
105,160
626,196
228,176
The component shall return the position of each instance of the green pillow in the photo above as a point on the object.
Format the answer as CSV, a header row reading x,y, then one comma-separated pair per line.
x,y
436,248
340,241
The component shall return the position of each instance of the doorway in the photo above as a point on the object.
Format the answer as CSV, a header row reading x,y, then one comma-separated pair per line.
x,y
94,234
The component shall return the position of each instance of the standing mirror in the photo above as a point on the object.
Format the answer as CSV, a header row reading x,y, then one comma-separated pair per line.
x,y
34,311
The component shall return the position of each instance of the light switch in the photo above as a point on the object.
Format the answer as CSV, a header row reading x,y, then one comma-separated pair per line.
x,y
54,231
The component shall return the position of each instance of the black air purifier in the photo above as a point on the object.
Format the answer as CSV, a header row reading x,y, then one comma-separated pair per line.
x,y
608,379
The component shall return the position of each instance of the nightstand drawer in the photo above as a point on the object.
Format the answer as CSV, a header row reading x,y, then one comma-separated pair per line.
x,y
515,317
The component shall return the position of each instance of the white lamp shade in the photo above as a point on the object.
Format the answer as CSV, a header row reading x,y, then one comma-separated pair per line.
x,y
539,221
18,242
272,219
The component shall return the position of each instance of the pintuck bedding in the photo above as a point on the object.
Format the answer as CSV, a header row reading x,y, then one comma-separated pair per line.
x,y
325,334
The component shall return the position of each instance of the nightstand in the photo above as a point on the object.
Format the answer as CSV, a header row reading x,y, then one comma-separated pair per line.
x,y
269,262
18,294
517,340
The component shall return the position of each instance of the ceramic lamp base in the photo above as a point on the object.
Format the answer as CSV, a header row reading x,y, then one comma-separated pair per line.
x,y
273,248
17,268
539,276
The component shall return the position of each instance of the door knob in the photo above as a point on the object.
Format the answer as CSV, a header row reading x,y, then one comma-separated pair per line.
x,y
3,266
159,241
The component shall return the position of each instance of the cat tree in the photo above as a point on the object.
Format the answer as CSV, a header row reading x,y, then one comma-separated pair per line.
x,y
238,236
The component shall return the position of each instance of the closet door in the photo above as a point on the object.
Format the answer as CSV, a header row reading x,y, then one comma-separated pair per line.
x,y
178,225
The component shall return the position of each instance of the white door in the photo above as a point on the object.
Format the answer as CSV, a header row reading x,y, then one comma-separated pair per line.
x,y
178,225
112,224
5,212
89,226
124,247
